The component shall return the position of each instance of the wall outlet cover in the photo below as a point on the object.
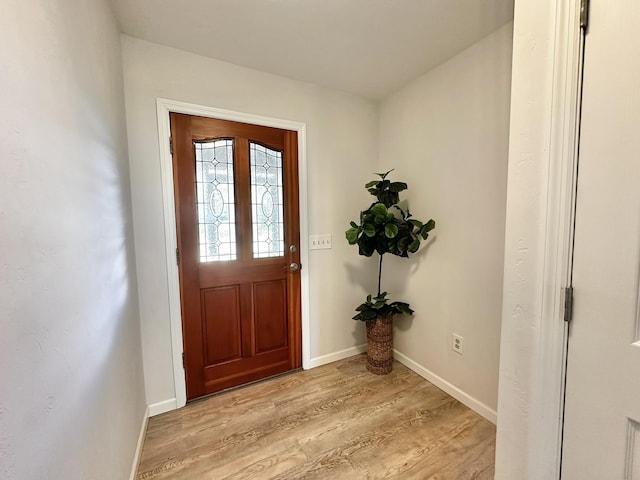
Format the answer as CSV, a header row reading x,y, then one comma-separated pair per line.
x,y
457,343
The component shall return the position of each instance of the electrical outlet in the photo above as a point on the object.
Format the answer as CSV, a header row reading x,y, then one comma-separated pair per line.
x,y
319,242
457,343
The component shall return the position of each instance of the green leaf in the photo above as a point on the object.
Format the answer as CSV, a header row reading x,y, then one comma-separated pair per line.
x,y
426,228
384,175
368,315
366,246
353,224
397,186
379,209
403,244
352,235
369,230
372,184
415,223
390,230
415,245
403,308
430,225
388,198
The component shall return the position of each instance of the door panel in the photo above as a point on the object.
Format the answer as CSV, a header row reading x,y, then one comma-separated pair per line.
x,y
602,408
238,231
222,324
270,299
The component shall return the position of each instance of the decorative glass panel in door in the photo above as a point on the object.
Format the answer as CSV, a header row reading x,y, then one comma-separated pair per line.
x,y
266,201
215,200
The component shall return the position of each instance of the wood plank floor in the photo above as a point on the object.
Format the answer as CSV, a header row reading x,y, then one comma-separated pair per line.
x,y
333,422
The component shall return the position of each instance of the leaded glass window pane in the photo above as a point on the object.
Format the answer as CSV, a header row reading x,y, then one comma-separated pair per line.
x,y
267,209
215,200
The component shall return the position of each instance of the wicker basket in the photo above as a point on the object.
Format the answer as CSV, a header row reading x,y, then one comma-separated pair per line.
x,y
380,345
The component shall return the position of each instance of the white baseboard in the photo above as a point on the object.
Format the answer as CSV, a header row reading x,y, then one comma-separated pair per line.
x,y
162,407
474,404
136,457
335,356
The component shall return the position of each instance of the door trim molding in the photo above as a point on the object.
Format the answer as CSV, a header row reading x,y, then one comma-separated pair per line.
x,y
561,183
163,108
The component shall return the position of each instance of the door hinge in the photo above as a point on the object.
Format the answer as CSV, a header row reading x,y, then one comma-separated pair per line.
x,y
183,366
171,145
584,14
568,304
177,256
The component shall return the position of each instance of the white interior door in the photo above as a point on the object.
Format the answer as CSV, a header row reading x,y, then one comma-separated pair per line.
x,y
602,409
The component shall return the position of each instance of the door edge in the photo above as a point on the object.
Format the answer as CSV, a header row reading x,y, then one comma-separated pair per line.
x,y
163,108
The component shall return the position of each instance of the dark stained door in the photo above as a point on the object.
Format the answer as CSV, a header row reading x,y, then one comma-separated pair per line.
x,y
237,214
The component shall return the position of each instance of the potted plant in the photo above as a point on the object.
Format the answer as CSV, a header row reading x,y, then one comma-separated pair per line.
x,y
384,228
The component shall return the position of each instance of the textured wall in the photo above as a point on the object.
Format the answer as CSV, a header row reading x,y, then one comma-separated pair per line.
x,y
71,383
526,228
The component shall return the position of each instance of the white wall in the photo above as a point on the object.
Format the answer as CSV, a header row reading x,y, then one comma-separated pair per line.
x,y
71,383
342,150
446,134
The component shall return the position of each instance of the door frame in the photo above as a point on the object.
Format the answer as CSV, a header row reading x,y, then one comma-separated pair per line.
x,y
557,262
561,186
553,41
164,107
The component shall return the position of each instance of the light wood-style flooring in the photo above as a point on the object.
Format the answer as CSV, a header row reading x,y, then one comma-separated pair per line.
x,y
333,422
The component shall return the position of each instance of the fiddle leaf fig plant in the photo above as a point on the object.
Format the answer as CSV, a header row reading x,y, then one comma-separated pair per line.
x,y
385,227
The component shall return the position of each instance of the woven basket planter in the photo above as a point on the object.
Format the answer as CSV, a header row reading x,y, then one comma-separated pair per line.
x,y
380,345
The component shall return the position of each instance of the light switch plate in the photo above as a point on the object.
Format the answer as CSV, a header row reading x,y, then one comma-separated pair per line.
x,y
319,242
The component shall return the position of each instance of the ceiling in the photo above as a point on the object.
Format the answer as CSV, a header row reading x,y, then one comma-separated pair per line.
x,y
367,47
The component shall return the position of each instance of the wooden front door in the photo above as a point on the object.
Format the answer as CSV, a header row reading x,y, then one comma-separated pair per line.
x,y
237,215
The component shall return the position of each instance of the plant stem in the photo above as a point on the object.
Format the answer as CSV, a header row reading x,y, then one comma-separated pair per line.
x,y
379,274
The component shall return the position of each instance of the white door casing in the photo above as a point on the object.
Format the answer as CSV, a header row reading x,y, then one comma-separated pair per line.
x,y
539,236
602,408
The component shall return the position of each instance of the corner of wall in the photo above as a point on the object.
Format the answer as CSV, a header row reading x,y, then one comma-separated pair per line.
x,y
139,445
